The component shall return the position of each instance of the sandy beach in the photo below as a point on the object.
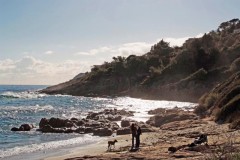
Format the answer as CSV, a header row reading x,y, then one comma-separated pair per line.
x,y
154,145
96,149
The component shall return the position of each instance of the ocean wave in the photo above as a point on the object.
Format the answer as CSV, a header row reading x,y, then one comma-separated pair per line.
x,y
83,140
23,95
28,108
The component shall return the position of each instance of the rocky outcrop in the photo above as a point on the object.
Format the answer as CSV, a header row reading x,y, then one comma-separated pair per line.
x,y
109,114
97,123
223,102
165,116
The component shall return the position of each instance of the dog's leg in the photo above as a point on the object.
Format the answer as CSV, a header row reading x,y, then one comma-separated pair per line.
x,y
108,146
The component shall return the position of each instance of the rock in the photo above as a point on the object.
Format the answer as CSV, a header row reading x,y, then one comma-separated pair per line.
x,y
57,122
47,129
43,122
114,118
104,121
157,111
159,120
80,123
94,124
25,127
74,119
172,149
69,130
92,115
80,130
235,124
15,129
102,132
69,124
125,113
88,130
114,126
125,123
123,131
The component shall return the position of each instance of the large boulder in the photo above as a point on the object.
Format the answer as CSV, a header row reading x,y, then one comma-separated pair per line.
x,y
49,129
114,117
25,127
80,123
43,122
88,130
123,131
125,123
15,129
102,132
57,122
159,120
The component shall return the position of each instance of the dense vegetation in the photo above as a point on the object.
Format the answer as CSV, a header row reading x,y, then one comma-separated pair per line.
x,y
174,73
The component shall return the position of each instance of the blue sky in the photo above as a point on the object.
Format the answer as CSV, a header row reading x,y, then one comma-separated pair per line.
x,y
50,41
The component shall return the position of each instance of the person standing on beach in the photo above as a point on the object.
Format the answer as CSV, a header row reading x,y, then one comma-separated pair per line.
x,y
134,133
139,132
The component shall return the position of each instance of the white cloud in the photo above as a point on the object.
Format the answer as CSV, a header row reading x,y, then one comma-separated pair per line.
x,y
6,65
176,41
136,48
48,52
95,51
30,70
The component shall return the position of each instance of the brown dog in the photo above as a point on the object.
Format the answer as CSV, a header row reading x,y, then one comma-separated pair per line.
x,y
111,143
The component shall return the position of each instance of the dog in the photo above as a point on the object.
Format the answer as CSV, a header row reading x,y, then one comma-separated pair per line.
x,y
111,143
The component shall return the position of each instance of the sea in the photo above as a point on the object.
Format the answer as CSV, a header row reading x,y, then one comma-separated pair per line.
x,y
20,104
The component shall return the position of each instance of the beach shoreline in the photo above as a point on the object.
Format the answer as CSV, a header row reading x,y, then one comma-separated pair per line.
x,y
155,145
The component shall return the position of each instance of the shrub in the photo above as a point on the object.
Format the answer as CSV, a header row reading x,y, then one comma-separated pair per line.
x,y
229,108
200,110
211,99
208,100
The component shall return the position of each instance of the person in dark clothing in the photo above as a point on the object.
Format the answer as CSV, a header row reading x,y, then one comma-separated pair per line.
x,y
139,132
134,133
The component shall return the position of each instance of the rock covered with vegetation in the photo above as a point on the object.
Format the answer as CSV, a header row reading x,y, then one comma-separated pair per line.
x,y
172,73
223,102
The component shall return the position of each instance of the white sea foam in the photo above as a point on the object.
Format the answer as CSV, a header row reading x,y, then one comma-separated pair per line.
x,y
24,95
141,107
28,108
83,140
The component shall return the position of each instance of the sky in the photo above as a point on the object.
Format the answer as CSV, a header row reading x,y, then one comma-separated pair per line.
x,y
51,41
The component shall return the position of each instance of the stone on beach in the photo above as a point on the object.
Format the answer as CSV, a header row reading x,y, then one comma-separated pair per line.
x,y
102,132
23,127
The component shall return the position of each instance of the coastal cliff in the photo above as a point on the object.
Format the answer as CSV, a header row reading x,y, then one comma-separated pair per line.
x,y
172,73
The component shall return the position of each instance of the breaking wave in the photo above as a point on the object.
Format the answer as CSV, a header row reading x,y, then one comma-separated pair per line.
x,y
23,95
